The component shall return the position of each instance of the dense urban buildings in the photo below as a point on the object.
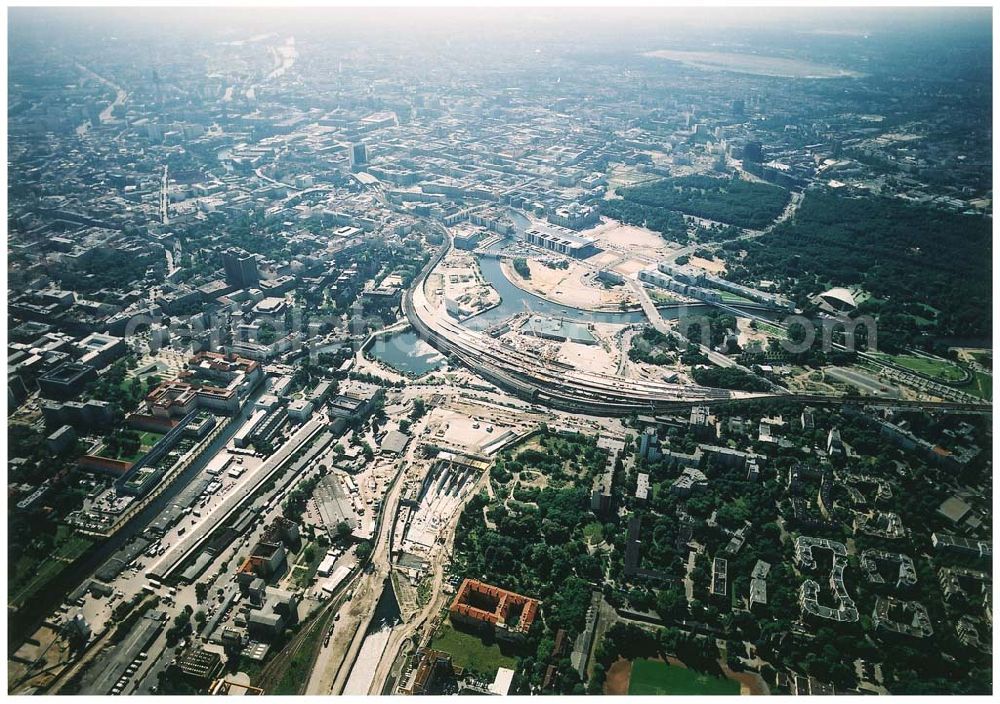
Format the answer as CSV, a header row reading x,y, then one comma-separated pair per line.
x,y
509,351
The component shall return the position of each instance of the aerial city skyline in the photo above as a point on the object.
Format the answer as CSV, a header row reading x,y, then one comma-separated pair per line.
x,y
499,351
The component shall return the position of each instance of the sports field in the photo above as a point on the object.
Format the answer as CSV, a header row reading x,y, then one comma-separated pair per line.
x,y
657,678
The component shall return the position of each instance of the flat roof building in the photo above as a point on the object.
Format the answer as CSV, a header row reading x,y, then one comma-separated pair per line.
x,y
566,242
66,380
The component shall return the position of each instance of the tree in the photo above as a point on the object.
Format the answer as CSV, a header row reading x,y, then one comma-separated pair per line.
x,y
344,530
363,550
419,408
521,267
671,602
200,591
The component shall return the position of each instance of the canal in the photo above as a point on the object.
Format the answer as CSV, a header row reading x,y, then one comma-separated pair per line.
x,y
516,300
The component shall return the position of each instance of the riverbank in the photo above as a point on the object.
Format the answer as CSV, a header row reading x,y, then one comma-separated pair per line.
x,y
566,287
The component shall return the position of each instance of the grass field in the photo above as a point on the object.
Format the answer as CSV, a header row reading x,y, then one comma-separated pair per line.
x,y
149,438
984,358
293,679
728,297
771,330
469,651
981,386
939,368
661,297
146,441
305,570
658,678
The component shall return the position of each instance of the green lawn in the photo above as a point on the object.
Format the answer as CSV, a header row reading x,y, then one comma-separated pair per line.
x,y
658,678
771,330
133,458
940,368
149,438
471,652
304,569
146,441
728,297
661,297
593,532
981,386
293,680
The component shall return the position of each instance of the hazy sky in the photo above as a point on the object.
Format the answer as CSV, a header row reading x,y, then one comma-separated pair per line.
x,y
891,20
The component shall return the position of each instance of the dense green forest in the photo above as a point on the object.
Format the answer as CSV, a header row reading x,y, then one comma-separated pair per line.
x,y
729,378
731,201
537,545
653,347
926,269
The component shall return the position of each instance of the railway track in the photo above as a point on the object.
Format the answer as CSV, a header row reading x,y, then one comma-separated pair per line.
x,y
272,673
562,387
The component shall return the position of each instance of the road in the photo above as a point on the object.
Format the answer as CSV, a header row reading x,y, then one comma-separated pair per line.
x,y
423,622
120,94
656,320
163,196
335,659
859,379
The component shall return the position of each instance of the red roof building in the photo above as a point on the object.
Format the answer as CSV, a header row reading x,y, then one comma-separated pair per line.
x,y
478,603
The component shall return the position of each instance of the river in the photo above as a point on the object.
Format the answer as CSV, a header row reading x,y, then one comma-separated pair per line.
x,y
517,300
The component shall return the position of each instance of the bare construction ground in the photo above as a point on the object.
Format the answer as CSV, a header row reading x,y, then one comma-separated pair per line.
x,y
576,286
617,236
459,280
715,266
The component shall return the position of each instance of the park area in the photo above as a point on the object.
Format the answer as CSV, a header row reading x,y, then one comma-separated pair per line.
x,y
655,677
471,652
129,445
33,570
940,369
